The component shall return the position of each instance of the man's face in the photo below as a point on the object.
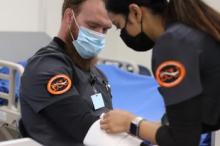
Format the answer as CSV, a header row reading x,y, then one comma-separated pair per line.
x,y
94,16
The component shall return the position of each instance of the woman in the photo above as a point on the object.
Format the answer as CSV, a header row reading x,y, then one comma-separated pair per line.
x,y
185,37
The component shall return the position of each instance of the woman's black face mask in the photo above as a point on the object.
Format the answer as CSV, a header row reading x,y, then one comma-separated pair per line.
x,y
140,42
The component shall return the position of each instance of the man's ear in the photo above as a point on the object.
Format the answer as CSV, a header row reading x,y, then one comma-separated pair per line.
x,y
68,16
135,13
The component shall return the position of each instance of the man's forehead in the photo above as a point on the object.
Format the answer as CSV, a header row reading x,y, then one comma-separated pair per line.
x,y
93,7
94,11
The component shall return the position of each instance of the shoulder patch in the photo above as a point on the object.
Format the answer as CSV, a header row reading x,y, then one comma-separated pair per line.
x,y
170,74
59,84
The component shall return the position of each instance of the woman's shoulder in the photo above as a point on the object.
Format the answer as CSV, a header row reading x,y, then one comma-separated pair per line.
x,y
180,35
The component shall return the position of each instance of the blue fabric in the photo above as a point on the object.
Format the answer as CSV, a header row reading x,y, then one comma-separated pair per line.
x,y
135,93
4,84
205,140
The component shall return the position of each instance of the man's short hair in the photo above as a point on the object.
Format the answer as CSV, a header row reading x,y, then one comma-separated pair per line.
x,y
74,4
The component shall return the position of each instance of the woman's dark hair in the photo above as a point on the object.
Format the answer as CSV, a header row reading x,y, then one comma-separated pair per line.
x,y
195,13
121,6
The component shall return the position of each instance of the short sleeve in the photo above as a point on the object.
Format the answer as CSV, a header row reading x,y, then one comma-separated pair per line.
x,y
176,68
47,80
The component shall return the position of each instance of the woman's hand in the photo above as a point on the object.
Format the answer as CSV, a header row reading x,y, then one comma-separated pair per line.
x,y
116,121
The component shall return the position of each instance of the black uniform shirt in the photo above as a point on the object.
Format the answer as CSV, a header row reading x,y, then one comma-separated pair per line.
x,y
56,104
186,64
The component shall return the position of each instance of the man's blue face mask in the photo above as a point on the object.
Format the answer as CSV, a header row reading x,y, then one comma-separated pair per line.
x,y
88,43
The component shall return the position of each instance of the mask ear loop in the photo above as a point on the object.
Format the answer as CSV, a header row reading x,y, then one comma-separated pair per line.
x,y
73,18
71,33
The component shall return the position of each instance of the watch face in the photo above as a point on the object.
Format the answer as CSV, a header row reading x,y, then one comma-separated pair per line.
x,y
133,129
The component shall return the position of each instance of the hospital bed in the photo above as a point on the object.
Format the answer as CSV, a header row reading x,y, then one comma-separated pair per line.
x,y
10,110
126,66
131,91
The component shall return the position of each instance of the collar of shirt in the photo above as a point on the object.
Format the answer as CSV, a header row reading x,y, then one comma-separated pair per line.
x,y
60,42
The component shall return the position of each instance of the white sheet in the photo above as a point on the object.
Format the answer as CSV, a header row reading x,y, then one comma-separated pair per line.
x,y
20,142
97,137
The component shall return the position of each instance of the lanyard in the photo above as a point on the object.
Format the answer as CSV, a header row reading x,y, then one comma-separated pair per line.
x,y
93,80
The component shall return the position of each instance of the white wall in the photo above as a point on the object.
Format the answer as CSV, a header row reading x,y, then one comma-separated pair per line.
x,y
30,15
214,3
53,16
19,15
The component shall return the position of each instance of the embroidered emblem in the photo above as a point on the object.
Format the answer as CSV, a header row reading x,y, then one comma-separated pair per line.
x,y
170,74
59,84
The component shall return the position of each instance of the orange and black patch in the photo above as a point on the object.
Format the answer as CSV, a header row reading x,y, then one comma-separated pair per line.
x,y
59,84
170,74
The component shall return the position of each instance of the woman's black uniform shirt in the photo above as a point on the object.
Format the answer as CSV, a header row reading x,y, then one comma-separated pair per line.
x,y
186,64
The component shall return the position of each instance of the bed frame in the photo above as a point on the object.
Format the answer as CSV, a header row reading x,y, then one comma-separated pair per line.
x,y
10,113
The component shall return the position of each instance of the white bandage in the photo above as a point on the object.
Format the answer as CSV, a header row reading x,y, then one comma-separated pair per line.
x,y
102,115
97,137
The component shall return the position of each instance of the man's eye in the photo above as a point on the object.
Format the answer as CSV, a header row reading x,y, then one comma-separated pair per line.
x,y
92,26
105,31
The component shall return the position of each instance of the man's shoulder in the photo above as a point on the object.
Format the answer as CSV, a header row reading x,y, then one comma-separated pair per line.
x,y
50,55
52,49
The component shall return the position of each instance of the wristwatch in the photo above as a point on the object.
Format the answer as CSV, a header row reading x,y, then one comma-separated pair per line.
x,y
135,125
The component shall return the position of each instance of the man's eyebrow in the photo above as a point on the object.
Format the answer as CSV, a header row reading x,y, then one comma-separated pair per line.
x,y
92,22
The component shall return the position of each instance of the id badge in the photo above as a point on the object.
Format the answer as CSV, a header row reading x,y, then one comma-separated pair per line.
x,y
98,101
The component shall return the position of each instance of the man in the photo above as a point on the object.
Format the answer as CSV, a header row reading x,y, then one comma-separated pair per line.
x,y
62,92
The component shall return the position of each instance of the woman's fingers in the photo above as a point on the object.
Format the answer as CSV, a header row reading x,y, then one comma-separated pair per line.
x,y
104,127
104,123
116,121
104,119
